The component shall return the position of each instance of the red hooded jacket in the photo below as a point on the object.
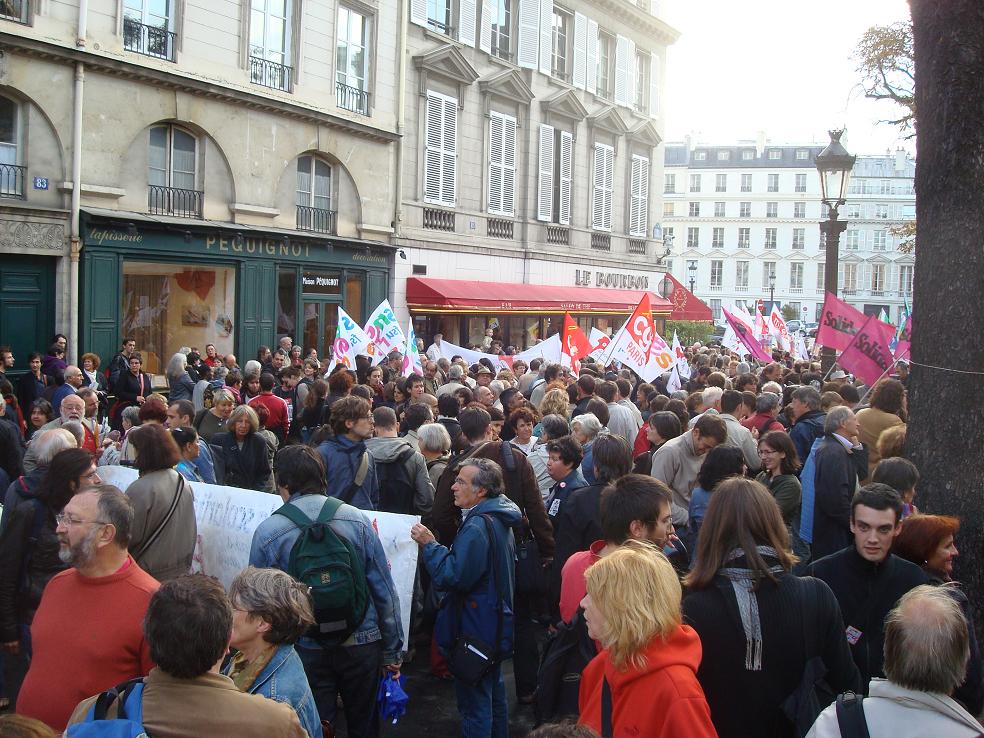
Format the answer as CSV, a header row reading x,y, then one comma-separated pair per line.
x,y
661,700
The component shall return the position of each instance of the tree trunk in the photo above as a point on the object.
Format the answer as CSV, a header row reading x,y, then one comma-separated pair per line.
x,y
946,419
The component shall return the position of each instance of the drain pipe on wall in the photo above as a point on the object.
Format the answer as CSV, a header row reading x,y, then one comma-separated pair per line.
x,y
75,246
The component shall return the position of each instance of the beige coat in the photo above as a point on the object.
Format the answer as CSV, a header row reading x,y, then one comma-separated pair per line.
x,y
676,464
170,555
873,422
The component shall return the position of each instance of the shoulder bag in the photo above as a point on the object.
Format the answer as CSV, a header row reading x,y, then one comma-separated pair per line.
x,y
137,553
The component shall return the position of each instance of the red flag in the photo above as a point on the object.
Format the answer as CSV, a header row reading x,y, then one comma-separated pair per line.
x,y
747,337
575,344
839,322
869,356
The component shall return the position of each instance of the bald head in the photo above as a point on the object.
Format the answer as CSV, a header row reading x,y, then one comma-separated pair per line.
x,y
73,376
72,408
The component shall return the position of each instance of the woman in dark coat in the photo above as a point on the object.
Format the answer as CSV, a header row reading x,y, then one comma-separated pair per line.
x,y
244,451
132,388
763,625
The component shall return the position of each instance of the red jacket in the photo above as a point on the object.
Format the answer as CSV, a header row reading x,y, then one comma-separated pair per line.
x,y
279,419
641,443
758,421
661,700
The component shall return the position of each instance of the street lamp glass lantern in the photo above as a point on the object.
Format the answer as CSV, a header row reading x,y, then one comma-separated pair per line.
x,y
835,166
692,268
772,280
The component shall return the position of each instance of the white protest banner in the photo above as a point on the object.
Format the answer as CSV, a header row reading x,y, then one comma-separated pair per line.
x,y
631,344
680,358
411,356
548,350
599,342
384,331
673,383
350,340
777,327
227,517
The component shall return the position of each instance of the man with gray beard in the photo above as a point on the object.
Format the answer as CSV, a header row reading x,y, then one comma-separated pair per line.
x,y
87,633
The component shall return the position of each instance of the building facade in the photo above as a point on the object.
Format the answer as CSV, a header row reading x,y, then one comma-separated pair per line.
x,y
744,225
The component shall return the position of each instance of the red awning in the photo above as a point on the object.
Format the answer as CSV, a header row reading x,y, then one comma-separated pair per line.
x,y
685,305
502,297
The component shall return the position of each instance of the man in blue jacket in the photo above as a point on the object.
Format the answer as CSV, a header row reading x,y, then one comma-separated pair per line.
x,y
352,669
350,468
465,572
808,420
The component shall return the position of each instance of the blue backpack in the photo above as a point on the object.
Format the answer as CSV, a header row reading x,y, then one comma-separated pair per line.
x,y
128,722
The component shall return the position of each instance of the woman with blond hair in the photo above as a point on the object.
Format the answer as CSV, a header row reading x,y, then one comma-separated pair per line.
x,y
555,402
645,680
768,636
244,451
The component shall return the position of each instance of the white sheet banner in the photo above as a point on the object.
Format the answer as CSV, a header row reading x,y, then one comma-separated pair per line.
x,y
227,517
548,350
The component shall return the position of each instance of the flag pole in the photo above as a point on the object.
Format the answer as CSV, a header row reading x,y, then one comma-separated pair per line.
x,y
829,371
868,392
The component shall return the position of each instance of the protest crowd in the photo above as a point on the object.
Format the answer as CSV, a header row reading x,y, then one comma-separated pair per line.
x,y
665,540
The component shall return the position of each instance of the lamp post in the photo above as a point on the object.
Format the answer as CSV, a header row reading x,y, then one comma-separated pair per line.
x,y
692,269
772,290
834,165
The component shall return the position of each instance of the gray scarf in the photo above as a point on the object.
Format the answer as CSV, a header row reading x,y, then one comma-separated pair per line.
x,y
743,581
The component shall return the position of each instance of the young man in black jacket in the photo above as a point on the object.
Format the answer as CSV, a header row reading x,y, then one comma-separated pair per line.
x,y
866,578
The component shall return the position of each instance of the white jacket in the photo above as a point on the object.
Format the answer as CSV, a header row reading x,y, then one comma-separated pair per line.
x,y
892,711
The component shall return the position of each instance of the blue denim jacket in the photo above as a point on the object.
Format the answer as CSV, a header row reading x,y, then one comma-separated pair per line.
x,y
275,537
283,679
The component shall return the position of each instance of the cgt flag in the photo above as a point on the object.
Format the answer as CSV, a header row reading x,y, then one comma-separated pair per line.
x,y
747,337
868,357
777,327
839,323
575,344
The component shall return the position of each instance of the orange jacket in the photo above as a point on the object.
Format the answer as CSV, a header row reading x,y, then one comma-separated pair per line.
x,y
661,700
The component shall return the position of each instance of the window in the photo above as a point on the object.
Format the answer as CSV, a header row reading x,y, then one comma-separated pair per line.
x,y
502,163
741,274
905,279
669,183
744,237
719,210
717,238
799,209
717,272
554,179
352,61
601,203
172,172
821,277
880,241
800,183
639,196
771,210
768,273
501,25
746,183
11,174
744,210
693,238
313,197
849,282
715,306
148,28
824,211
851,240
770,238
695,210
15,10
799,238
439,15
775,154
695,183
269,43
668,209
802,154
885,187
724,155
441,149
796,277
747,155
643,67
877,277
853,210
668,234
796,307
721,182
881,211
700,156
773,181
606,67
560,56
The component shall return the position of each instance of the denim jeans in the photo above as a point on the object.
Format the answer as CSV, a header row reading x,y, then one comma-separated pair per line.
x,y
484,711
352,672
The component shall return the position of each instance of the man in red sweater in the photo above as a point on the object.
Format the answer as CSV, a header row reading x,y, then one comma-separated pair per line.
x,y
87,634
279,421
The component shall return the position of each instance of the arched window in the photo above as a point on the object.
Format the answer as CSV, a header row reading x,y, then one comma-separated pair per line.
x,y
11,174
313,197
172,172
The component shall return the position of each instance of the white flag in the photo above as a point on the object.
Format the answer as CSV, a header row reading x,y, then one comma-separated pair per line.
x,y
680,358
673,383
350,340
777,327
384,330
411,357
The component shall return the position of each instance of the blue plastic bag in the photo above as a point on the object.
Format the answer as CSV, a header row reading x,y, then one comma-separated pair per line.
x,y
392,698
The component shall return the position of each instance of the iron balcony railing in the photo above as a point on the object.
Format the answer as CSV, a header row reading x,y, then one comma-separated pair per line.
x,y
270,74
12,181
352,98
152,41
175,201
315,219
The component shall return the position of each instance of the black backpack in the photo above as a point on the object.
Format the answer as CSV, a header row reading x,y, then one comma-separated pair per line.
x,y
396,488
567,652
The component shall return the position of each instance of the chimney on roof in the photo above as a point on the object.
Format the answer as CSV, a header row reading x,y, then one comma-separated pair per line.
x,y
760,141
901,158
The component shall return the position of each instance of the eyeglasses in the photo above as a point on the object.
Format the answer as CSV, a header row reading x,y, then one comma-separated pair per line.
x,y
68,521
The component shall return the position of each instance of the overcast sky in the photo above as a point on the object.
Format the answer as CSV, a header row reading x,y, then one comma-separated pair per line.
x,y
785,67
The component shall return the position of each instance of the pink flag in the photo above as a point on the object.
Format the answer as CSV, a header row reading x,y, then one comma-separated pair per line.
x,y
868,356
838,324
905,339
747,338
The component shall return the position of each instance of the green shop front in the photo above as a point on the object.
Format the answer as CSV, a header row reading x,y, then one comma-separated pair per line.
x,y
233,286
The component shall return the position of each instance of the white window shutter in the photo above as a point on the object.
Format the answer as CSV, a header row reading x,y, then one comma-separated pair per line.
x,y
608,182
579,77
508,165
644,197
622,62
544,200
449,184
634,196
467,15
432,148
591,57
495,163
566,172
630,75
596,194
529,34
546,34
418,12
601,199
654,84
639,196
485,34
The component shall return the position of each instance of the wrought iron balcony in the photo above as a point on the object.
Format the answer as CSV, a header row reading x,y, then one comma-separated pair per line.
x,y
15,10
270,74
152,41
316,219
12,181
352,98
175,201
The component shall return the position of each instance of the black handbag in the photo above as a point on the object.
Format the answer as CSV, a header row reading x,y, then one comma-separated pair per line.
x,y
805,703
530,577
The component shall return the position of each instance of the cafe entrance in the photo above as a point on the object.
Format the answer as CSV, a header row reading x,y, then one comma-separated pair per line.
x,y
322,293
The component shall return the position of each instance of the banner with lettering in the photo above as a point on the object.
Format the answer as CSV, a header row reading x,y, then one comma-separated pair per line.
x,y
903,341
385,332
839,322
350,340
680,357
599,343
747,338
411,357
777,327
661,358
631,344
868,356
574,344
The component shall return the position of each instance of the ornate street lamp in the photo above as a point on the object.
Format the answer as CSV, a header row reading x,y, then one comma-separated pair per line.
x,y
772,290
834,165
692,268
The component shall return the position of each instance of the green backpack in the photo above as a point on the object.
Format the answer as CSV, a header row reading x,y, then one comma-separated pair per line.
x,y
331,569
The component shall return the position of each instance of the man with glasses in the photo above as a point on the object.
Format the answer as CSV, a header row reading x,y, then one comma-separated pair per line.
x,y
87,633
